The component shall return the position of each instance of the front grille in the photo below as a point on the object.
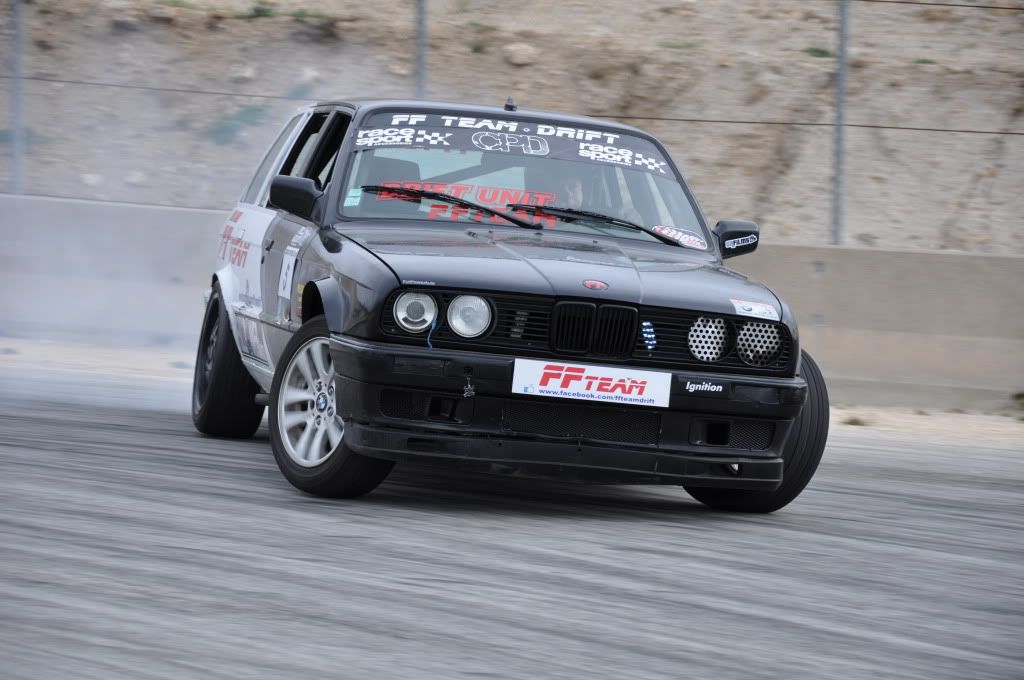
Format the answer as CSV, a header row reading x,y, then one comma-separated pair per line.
x,y
616,330
586,328
755,435
572,327
536,326
582,422
682,339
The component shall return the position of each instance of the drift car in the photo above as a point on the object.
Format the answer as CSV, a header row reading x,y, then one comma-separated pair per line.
x,y
519,291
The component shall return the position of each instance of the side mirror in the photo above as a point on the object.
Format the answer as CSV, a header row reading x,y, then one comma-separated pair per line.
x,y
297,195
736,237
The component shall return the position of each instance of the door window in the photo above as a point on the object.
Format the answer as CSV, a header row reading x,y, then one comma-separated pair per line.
x,y
252,193
304,146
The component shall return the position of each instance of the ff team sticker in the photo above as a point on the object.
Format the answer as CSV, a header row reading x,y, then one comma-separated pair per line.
x,y
615,385
755,309
682,237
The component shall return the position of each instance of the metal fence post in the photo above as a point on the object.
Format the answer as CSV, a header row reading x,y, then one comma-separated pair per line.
x,y
421,47
17,103
837,162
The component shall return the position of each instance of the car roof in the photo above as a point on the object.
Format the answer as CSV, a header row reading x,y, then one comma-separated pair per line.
x,y
368,106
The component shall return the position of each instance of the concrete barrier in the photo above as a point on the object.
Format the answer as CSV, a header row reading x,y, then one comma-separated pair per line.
x,y
929,329
105,273
904,327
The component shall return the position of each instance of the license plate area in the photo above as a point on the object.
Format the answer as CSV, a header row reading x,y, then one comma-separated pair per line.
x,y
586,382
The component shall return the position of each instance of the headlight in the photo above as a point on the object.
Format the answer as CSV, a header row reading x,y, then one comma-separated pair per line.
x,y
469,315
415,311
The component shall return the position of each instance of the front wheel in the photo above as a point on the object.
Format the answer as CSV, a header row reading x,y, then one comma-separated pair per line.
x,y
800,458
306,431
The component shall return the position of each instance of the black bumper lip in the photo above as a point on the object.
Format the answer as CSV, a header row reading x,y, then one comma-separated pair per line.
x,y
475,429
573,460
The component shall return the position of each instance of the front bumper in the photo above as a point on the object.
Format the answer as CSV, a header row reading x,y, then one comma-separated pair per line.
x,y
402,402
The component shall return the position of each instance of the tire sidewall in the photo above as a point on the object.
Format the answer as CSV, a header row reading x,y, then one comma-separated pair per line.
x,y
224,325
802,452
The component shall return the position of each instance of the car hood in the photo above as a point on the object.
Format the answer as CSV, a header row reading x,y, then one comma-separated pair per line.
x,y
548,263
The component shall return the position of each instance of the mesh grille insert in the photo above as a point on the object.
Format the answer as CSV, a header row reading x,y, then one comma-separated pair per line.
x,y
582,422
758,343
707,338
663,338
755,435
403,404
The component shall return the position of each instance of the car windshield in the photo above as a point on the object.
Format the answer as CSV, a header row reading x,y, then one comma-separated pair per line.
x,y
498,163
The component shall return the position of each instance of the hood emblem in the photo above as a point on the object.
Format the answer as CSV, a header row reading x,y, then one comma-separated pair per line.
x,y
591,284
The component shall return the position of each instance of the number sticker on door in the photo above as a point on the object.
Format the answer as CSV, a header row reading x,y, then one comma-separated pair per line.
x,y
284,285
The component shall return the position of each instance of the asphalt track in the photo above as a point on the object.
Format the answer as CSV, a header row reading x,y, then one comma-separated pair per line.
x,y
132,547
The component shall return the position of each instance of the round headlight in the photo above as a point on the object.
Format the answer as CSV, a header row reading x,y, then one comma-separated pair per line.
x,y
415,311
469,315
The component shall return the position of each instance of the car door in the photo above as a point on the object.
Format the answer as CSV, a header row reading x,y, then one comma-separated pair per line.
x,y
238,253
313,156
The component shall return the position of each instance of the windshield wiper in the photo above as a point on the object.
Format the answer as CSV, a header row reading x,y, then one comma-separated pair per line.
x,y
573,214
448,198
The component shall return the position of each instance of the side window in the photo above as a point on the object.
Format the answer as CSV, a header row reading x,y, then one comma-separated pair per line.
x,y
321,164
303,148
316,150
252,193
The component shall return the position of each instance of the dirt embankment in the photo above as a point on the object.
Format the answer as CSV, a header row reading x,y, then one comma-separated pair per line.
x,y
768,60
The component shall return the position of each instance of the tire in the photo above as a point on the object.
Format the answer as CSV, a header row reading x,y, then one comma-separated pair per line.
x,y
306,432
800,457
223,392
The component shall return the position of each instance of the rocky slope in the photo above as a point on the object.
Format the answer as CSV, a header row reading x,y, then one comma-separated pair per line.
x,y
761,60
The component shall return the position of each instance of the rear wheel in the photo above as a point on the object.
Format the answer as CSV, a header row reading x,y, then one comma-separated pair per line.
x,y
223,392
800,457
306,431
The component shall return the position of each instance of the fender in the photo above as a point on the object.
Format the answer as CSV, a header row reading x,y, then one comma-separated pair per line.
x,y
335,303
226,278
789,320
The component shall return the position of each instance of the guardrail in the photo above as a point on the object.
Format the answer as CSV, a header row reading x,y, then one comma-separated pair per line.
x,y
930,329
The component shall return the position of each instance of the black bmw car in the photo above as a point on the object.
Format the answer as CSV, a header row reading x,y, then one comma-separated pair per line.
x,y
513,290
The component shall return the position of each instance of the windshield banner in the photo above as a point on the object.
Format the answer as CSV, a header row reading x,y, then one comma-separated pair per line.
x,y
522,138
